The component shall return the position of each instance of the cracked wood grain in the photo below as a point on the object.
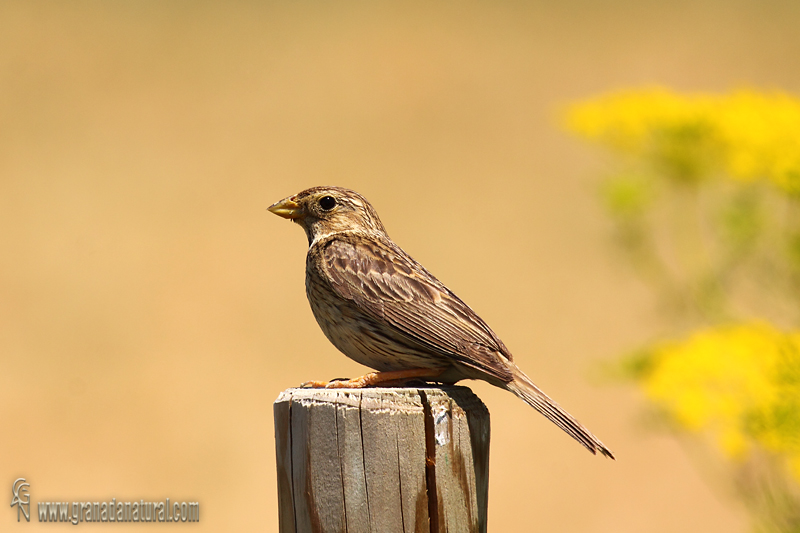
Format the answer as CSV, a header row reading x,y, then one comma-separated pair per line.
x,y
382,460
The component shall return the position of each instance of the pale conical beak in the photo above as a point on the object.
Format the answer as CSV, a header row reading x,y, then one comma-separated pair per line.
x,y
287,208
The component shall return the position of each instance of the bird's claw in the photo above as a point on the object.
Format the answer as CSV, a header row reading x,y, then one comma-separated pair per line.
x,y
313,384
340,383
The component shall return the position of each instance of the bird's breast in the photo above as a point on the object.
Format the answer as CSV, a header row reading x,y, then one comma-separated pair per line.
x,y
357,334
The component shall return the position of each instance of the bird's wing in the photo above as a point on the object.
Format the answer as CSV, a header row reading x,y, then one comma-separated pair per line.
x,y
385,282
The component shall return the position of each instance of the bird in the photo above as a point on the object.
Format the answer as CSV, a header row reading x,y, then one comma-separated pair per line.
x,y
383,309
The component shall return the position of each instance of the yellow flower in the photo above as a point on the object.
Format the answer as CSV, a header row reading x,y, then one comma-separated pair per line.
x,y
740,383
762,133
747,134
627,119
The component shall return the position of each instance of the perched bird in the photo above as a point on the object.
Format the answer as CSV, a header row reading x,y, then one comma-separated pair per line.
x,y
382,309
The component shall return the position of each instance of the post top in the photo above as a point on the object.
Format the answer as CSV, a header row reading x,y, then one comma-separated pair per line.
x,y
414,397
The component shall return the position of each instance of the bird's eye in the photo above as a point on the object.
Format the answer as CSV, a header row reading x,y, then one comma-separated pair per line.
x,y
327,203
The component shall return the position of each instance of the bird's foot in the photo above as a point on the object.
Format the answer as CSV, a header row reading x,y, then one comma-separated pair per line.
x,y
315,384
392,378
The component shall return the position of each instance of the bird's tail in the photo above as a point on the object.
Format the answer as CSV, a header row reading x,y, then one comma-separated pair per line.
x,y
523,387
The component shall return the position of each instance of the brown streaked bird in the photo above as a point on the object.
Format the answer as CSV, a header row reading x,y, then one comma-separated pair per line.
x,y
382,309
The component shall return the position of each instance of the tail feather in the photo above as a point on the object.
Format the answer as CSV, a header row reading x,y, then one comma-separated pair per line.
x,y
523,387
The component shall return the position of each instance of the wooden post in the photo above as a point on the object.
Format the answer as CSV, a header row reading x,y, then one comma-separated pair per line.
x,y
382,460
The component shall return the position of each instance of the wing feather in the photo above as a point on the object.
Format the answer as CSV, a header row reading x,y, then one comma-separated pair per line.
x,y
386,283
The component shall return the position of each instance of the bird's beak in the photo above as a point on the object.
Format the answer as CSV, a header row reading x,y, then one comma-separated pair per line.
x,y
287,208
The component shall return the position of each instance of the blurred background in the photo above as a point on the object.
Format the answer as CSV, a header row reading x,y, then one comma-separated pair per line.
x,y
151,309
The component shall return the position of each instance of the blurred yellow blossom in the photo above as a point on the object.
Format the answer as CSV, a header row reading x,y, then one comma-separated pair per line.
x,y
739,383
746,134
704,200
627,120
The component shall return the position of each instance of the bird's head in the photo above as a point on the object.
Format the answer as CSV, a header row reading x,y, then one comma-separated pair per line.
x,y
324,211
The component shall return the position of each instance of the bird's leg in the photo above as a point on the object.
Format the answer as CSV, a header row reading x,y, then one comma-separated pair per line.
x,y
391,377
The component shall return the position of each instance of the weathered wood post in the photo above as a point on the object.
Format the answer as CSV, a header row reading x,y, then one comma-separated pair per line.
x,y
382,460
